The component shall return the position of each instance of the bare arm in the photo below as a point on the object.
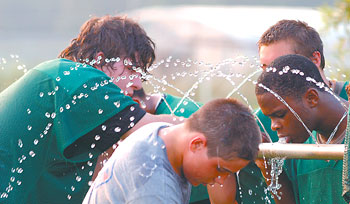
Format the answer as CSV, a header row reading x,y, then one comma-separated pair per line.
x,y
147,118
286,191
150,118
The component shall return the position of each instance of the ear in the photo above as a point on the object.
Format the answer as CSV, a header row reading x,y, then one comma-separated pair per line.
x,y
99,57
311,97
316,58
198,142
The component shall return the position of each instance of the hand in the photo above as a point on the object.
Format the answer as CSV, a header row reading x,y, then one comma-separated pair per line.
x,y
261,163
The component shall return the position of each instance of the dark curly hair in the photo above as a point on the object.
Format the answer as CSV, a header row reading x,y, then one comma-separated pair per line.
x,y
288,83
115,36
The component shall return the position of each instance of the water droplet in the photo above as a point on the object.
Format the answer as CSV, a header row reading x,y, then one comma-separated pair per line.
x,y
4,195
89,163
100,111
85,86
91,173
97,137
20,143
69,197
91,155
53,115
182,110
29,111
41,94
132,118
117,129
58,79
12,179
19,182
185,103
32,153
93,145
117,104
47,114
72,188
61,109
250,192
132,124
67,106
103,127
106,97
19,170
66,72
78,178
36,142
163,146
153,157
132,108
29,127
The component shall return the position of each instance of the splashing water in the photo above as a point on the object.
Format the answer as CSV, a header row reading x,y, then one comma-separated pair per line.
x,y
233,76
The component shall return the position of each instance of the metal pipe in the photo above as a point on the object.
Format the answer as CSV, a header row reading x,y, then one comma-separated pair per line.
x,y
302,151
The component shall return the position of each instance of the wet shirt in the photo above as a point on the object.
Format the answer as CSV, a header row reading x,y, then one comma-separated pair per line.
x,y
42,115
139,172
183,108
315,181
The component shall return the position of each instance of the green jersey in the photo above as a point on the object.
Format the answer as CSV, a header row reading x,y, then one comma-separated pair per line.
x,y
251,182
185,109
42,115
315,181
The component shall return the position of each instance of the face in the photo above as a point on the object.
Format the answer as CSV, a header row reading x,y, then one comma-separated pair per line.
x,y
282,119
124,75
198,168
268,53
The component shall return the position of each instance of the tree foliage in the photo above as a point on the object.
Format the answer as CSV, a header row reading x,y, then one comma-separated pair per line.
x,y
337,22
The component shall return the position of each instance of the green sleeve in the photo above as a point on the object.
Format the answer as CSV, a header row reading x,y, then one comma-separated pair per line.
x,y
85,98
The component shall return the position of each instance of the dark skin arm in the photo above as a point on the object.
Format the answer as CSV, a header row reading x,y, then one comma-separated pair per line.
x,y
287,196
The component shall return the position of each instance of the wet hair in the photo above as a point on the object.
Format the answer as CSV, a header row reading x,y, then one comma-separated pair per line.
x,y
305,39
289,84
229,127
115,36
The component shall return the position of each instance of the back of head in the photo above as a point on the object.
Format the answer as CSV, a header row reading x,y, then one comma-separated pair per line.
x,y
305,39
229,127
290,76
115,36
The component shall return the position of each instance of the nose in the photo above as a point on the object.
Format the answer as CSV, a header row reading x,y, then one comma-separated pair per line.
x,y
275,125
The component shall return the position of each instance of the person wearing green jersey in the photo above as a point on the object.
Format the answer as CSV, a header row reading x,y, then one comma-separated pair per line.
x,y
284,37
60,116
297,80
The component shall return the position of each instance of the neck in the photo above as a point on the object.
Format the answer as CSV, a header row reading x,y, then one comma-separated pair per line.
x,y
329,83
173,138
333,125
